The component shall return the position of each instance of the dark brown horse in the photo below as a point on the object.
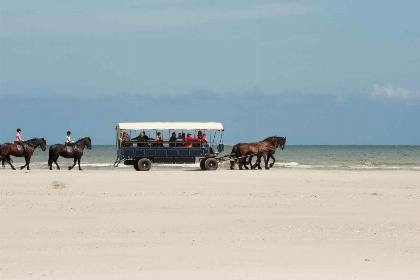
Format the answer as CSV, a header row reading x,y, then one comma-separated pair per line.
x,y
61,150
242,160
17,150
269,153
246,151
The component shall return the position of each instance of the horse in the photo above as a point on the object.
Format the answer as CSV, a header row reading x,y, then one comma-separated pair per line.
x,y
244,150
61,150
9,149
269,153
242,161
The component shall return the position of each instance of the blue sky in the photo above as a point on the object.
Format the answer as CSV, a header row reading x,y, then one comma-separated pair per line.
x,y
280,63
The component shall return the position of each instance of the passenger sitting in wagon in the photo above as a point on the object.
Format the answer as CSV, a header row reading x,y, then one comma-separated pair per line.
x,y
172,140
190,139
141,139
199,136
180,138
125,139
159,138
203,139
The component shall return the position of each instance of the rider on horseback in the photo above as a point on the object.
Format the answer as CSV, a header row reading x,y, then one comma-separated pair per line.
x,y
69,142
20,141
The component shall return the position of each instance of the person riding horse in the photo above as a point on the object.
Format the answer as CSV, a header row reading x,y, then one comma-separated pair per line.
x,y
9,149
20,141
61,150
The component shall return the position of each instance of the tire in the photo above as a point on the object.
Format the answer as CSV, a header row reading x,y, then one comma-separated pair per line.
x,y
136,166
203,164
144,164
211,164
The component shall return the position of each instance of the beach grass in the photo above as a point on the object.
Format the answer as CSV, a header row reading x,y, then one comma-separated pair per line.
x,y
58,185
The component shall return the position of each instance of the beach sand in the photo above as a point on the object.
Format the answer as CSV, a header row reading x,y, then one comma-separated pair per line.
x,y
173,223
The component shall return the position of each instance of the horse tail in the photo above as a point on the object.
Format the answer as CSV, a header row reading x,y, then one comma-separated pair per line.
x,y
50,157
238,151
233,153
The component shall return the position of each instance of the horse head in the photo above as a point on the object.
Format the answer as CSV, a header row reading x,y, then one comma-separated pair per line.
x,y
88,143
43,144
35,142
281,141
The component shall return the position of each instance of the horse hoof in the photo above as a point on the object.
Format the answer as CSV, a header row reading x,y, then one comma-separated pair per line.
x,y
259,168
22,168
69,167
80,169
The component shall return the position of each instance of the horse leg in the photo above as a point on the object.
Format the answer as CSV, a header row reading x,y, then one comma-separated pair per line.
x,y
274,160
232,164
55,161
26,164
78,162
9,161
245,163
266,158
250,162
240,163
71,167
258,163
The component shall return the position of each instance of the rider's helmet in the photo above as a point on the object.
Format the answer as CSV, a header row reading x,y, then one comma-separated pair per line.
x,y
18,130
68,132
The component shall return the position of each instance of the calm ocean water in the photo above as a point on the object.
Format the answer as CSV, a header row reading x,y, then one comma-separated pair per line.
x,y
313,157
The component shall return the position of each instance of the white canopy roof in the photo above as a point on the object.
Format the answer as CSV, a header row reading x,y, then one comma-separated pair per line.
x,y
170,125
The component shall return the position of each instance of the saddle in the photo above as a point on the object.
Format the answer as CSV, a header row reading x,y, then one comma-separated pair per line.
x,y
23,147
71,149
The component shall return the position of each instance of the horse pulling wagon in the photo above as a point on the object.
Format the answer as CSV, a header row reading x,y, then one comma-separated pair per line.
x,y
142,151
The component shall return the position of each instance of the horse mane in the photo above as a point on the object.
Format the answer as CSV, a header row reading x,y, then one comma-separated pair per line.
x,y
270,139
30,140
81,139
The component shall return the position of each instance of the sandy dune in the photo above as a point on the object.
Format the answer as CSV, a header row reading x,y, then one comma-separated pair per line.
x,y
187,224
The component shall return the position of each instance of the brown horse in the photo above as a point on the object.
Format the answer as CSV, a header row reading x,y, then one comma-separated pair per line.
x,y
269,153
61,150
9,149
248,150
242,161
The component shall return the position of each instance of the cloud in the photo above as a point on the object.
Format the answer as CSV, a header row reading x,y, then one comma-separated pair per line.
x,y
143,18
390,92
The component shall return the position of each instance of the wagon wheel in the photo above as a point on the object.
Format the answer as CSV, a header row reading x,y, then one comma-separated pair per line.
x,y
144,164
211,164
203,164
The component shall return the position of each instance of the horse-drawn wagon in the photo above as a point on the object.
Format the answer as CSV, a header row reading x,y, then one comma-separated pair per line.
x,y
142,150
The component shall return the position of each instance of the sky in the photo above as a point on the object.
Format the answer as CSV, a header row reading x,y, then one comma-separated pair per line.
x,y
318,72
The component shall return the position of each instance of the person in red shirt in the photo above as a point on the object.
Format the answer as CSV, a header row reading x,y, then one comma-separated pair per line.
x,y
190,139
203,139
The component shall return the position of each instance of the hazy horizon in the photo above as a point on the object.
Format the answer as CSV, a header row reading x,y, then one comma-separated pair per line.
x,y
318,72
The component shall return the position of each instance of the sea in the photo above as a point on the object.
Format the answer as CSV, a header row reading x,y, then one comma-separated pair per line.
x,y
293,157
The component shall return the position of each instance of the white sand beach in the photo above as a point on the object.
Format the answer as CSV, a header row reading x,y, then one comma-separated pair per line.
x,y
189,224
